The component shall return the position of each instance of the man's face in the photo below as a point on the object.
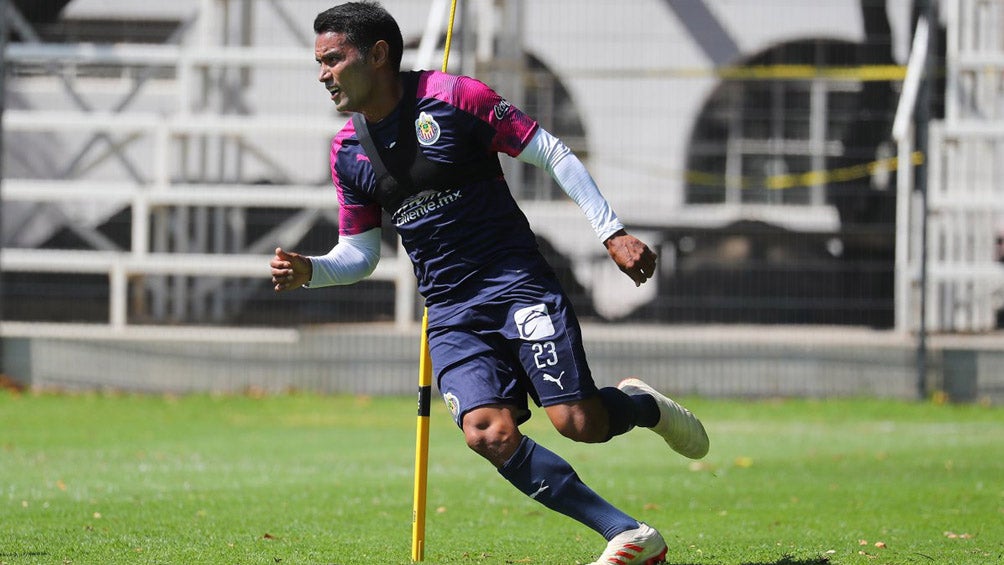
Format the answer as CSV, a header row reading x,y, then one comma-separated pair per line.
x,y
344,72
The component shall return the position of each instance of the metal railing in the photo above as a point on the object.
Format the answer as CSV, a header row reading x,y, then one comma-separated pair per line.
x,y
951,265
160,188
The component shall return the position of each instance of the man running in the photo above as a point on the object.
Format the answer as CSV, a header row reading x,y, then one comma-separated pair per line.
x,y
424,147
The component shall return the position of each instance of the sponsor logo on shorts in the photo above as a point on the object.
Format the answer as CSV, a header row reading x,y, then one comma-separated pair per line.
x,y
534,323
453,404
553,379
543,486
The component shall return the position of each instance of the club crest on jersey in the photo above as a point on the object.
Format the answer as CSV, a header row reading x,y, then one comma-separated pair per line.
x,y
427,129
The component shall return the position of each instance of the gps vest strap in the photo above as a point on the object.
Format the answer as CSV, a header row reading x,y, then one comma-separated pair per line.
x,y
403,170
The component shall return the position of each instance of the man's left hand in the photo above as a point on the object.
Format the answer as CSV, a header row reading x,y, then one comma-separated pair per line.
x,y
632,256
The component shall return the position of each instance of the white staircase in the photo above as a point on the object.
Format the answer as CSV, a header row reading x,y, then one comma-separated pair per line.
x,y
965,183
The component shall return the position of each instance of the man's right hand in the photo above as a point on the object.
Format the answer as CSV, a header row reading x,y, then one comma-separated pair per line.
x,y
289,270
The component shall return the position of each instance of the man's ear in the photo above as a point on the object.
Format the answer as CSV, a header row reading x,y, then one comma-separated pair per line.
x,y
379,54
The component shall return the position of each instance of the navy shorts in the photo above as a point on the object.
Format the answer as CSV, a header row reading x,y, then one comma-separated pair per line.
x,y
526,344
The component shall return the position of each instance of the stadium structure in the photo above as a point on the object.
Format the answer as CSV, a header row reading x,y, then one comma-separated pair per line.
x,y
825,164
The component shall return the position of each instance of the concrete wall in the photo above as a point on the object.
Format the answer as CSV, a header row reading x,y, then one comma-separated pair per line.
x,y
708,361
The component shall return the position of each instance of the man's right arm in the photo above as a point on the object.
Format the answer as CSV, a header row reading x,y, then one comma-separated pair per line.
x,y
352,259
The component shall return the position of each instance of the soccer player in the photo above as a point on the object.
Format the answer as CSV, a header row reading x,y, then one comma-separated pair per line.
x,y
424,147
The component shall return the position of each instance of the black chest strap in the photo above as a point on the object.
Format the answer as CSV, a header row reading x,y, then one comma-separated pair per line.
x,y
403,170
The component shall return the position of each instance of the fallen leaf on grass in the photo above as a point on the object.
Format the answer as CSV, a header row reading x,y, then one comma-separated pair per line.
x,y
11,386
878,544
268,536
698,466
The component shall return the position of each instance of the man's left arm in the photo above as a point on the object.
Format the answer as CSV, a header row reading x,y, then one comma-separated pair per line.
x,y
632,256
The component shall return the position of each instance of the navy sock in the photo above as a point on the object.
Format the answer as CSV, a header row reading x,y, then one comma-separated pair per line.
x,y
550,480
627,411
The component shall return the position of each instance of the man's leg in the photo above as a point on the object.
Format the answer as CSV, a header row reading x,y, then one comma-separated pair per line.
x,y
548,341
624,411
539,473
615,411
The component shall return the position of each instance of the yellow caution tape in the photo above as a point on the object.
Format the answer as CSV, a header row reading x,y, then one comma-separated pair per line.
x,y
797,180
857,73
809,72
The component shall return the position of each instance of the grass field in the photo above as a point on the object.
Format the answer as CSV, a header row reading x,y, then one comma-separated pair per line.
x,y
104,479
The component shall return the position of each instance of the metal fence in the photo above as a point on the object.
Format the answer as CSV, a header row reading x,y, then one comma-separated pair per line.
x,y
154,156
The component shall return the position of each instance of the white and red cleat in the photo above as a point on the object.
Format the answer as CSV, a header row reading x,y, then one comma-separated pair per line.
x,y
641,546
677,425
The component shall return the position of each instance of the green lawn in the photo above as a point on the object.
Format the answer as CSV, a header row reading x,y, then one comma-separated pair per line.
x,y
103,479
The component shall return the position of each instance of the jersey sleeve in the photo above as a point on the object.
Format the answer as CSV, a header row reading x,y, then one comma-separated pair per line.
x,y
511,129
549,153
350,171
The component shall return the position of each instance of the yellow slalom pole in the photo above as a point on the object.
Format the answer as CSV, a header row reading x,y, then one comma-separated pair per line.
x,y
425,394
421,445
449,35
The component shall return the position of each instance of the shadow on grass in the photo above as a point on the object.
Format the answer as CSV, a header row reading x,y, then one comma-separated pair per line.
x,y
788,561
791,561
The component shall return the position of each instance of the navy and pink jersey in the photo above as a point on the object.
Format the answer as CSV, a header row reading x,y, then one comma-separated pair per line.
x,y
468,243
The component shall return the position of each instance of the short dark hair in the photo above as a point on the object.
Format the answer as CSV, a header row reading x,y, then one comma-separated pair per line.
x,y
363,24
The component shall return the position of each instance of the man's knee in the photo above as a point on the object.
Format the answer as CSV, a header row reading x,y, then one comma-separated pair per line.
x,y
491,432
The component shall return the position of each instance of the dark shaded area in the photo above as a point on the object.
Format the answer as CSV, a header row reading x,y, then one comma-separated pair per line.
x,y
44,18
47,297
577,294
752,272
69,297
40,11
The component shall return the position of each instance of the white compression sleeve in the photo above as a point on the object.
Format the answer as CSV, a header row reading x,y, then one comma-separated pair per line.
x,y
549,153
352,259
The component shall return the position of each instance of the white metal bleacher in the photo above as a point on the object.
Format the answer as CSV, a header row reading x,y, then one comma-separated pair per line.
x,y
965,192
161,190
